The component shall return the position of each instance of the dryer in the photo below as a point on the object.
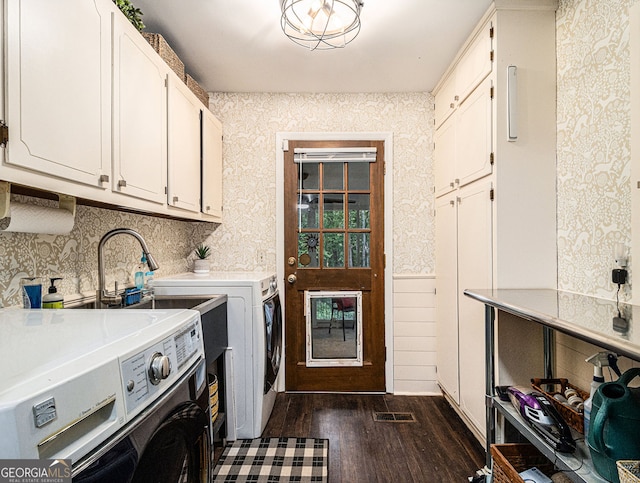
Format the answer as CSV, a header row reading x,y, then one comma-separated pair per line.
x,y
114,391
255,340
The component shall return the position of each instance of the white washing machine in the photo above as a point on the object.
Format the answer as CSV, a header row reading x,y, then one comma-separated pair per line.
x,y
106,389
255,338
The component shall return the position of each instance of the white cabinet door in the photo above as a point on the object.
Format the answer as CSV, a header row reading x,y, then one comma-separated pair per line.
x,y
211,165
447,296
474,136
445,157
446,100
59,87
474,271
475,64
184,146
139,115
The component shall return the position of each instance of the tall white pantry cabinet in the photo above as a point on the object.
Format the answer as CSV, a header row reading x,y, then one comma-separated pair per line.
x,y
494,188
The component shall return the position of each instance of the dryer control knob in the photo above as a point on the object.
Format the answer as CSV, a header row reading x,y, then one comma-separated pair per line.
x,y
130,385
159,368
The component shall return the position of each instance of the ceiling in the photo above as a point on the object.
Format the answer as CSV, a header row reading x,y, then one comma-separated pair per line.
x,y
238,45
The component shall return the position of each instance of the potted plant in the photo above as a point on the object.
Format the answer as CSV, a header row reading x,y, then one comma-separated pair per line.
x,y
201,264
132,13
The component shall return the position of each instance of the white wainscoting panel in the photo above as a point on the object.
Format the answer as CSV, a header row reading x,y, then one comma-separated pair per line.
x,y
414,335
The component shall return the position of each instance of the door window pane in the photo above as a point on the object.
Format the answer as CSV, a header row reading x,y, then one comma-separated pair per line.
x,y
333,178
308,211
333,214
359,252
309,176
308,250
359,210
333,250
359,176
334,328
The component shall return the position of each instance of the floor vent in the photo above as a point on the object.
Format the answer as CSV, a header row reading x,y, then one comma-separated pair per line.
x,y
394,417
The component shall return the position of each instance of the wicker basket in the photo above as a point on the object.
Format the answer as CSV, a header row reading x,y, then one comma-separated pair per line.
x,y
511,459
167,54
573,418
628,471
197,90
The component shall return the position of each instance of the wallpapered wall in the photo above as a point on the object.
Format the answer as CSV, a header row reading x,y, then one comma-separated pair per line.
x,y
594,210
75,256
250,123
593,172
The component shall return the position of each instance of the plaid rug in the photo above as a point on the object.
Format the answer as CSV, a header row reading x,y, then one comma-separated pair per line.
x,y
274,460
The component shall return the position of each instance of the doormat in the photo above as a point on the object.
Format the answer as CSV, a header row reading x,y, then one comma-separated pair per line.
x,y
270,460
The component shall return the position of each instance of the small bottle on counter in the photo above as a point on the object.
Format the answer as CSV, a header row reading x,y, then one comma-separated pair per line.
x,y
53,300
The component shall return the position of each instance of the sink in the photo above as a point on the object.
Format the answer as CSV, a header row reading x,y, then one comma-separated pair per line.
x,y
164,302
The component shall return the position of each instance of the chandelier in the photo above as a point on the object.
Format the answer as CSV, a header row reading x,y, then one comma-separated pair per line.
x,y
321,24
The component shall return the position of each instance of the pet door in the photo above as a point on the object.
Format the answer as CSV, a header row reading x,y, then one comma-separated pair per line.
x,y
334,328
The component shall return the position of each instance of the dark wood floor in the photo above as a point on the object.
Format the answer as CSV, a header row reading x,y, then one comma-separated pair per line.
x,y
436,448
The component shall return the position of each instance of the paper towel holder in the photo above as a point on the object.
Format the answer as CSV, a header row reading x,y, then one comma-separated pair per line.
x,y
65,202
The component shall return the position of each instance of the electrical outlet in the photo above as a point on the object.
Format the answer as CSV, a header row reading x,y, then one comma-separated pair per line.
x,y
261,257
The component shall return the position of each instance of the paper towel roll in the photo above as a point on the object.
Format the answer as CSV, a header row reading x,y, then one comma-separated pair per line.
x,y
37,219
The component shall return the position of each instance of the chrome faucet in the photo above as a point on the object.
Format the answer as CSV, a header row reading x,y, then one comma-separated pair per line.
x,y
103,296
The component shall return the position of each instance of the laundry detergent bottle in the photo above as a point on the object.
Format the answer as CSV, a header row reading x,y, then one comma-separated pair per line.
x,y
614,432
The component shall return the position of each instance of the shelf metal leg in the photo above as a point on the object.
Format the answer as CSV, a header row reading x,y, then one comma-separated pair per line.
x,y
489,320
548,339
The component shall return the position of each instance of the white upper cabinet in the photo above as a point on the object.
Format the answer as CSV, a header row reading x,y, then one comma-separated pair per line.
x,y
474,135
476,63
211,165
446,100
58,88
445,148
184,147
139,116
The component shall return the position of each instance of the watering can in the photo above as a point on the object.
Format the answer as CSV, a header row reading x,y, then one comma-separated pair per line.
x,y
614,433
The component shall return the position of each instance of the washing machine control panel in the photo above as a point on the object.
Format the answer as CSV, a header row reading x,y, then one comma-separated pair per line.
x,y
150,372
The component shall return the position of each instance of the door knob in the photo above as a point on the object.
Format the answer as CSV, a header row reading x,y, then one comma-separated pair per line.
x,y
291,261
292,279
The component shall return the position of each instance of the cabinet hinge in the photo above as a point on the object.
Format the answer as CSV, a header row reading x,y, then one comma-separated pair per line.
x,y
491,32
165,190
491,159
491,194
491,92
491,56
4,134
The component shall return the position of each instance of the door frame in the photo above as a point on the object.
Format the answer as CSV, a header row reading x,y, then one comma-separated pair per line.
x,y
387,138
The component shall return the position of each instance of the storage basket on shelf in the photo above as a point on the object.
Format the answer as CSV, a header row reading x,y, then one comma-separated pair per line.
x,y
628,471
167,54
511,459
197,89
574,418
213,397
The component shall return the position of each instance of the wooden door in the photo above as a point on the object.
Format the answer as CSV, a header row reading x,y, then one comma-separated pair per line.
x,y
334,266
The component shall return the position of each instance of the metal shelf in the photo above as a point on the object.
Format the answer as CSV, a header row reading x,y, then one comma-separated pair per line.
x,y
577,465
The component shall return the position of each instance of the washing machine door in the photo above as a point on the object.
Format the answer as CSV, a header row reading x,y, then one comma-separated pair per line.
x,y
167,443
273,333
177,450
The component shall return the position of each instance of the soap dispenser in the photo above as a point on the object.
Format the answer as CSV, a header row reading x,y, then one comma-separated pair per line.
x,y
53,300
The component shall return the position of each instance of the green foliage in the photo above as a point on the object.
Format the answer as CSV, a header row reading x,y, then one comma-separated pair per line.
x,y
132,13
202,251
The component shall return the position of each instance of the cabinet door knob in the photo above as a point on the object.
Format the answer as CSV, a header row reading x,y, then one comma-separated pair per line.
x,y
104,178
456,98
452,105
208,208
457,181
451,184
122,183
175,199
452,203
